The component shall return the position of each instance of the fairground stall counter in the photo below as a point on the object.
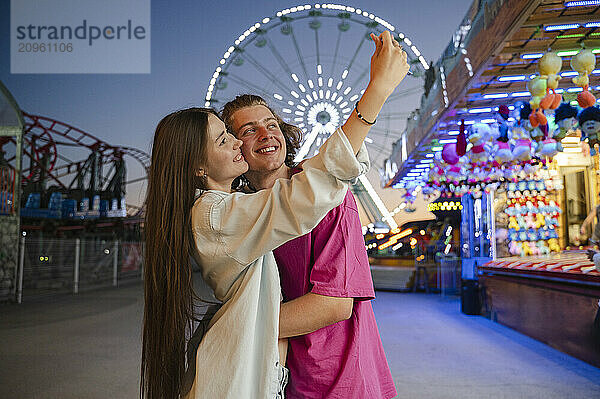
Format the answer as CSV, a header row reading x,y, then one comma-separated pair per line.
x,y
510,121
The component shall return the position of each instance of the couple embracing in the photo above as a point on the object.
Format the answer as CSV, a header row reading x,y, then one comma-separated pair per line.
x,y
281,245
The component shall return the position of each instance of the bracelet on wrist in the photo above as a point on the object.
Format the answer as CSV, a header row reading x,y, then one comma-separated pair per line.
x,y
362,118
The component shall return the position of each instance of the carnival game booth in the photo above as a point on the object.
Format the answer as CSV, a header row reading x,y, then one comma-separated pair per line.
x,y
510,121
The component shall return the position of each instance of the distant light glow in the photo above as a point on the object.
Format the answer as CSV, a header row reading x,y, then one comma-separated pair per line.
x,y
513,78
549,28
497,95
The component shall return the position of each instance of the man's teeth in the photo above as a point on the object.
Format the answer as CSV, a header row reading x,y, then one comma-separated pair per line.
x,y
239,157
265,150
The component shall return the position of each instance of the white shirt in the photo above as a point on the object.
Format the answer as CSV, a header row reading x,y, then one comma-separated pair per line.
x,y
235,234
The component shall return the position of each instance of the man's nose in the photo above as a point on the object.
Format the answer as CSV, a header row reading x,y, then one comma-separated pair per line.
x,y
263,133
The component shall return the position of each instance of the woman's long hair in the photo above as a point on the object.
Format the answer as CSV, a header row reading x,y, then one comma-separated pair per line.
x,y
179,148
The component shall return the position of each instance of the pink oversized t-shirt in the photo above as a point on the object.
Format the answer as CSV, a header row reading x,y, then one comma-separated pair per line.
x,y
346,359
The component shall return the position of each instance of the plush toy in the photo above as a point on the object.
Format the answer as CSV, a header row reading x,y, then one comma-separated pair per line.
x,y
589,122
526,249
565,117
553,245
542,247
512,223
537,87
521,222
550,147
540,221
529,221
549,66
479,138
502,121
584,63
515,248
502,152
535,250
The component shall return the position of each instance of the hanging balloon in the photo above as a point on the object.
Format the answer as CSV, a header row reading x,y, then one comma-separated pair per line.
x,y
449,154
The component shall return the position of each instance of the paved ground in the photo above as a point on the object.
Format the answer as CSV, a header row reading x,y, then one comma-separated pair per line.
x,y
88,347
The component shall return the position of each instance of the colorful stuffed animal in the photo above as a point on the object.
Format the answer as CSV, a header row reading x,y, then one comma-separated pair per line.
x,y
565,117
584,63
537,87
550,147
479,137
542,247
589,122
529,221
515,248
502,122
502,152
512,223
549,66
540,221
553,245
526,251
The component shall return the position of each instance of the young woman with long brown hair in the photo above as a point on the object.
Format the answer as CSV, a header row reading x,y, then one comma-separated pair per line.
x,y
192,211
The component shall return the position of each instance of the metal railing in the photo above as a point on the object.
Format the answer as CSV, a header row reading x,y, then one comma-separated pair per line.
x,y
49,267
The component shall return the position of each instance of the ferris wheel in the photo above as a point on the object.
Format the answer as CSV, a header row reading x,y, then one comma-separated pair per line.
x,y
311,63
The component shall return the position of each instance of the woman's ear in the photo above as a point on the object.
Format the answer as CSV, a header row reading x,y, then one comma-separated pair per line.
x,y
200,172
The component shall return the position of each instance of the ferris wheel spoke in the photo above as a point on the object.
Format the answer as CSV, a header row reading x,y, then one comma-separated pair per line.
x,y
262,69
317,46
405,92
279,58
337,47
361,76
360,43
299,53
246,84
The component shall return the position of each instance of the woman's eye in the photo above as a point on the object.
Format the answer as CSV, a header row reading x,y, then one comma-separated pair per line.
x,y
223,141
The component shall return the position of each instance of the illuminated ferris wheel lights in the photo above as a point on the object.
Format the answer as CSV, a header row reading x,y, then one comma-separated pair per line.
x,y
354,97
315,95
333,95
327,94
266,20
321,94
298,119
415,50
319,69
329,82
309,98
278,96
339,85
407,41
222,62
339,99
291,103
347,90
293,93
299,113
287,110
344,74
342,105
347,110
310,83
371,16
303,101
300,107
358,11
295,77
302,88
320,81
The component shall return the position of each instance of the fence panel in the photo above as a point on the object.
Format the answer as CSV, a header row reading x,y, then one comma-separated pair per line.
x,y
48,267
67,266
